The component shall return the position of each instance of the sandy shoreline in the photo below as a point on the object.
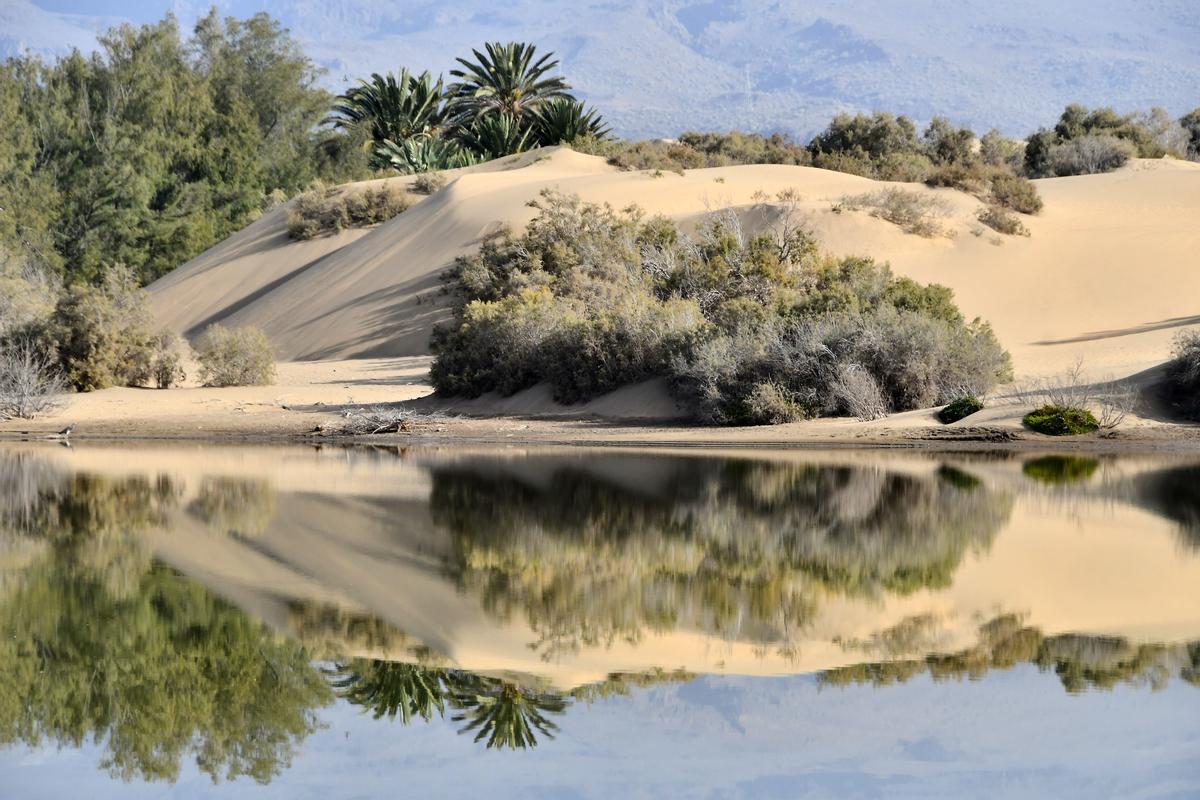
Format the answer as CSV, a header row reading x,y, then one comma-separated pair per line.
x,y
309,400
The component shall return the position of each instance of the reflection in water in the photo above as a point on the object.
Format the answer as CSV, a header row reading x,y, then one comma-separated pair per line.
x,y
1060,469
733,547
99,642
1081,662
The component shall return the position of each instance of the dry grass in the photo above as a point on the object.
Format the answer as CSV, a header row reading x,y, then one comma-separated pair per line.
x,y
325,211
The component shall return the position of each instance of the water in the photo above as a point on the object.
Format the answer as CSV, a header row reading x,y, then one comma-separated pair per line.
x,y
196,621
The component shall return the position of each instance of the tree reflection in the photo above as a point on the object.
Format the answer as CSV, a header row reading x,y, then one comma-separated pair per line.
x,y
1175,494
1081,662
733,547
98,643
502,713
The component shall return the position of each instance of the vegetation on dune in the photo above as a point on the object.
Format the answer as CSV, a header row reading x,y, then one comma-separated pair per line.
x,y
1061,421
1183,374
959,408
1098,140
327,210
912,211
748,329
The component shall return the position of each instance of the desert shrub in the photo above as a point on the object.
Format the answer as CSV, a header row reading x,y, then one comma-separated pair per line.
x,y
1183,374
747,329
771,403
1015,191
997,150
1061,420
915,212
1190,122
235,357
322,211
1003,221
30,383
1089,155
1060,469
695,151
735,147
103,336
428,182
959,408
163,364
858,392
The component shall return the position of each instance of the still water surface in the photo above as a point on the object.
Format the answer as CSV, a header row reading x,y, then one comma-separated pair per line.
x,y
196,621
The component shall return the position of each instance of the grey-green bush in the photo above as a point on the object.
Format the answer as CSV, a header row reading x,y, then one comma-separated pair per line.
x,y
746,329
235,357
323,211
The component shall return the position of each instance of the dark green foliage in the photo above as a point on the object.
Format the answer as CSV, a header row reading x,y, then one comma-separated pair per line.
x,y
393,111
1183,375
1060,469
959,479
155,148
563,120
747,330
1061,421
1191,125
323,211
1099,140
959,408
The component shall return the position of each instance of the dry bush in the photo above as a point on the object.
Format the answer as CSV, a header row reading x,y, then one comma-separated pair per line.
x,y
323,211
914,212
30,383
376,420
1088,155
428,182
1015,192
1109,400
237,357
859,392
1003,221
772,403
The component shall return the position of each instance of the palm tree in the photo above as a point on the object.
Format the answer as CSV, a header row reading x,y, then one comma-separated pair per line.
x,y
389,688
562,120
426,155
505,714
496,136
393,109
506,79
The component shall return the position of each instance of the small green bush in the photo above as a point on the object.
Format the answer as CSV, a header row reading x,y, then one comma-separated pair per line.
x,y
1061,421
324,211
1002,221
1060,469
959,408
237,357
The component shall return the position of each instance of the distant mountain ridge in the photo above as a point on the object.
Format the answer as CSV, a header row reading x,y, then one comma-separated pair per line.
x,y
658,67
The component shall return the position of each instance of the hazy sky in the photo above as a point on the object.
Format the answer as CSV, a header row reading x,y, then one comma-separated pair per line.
x,y
657,67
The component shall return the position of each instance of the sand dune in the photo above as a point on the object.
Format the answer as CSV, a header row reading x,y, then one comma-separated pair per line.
x,y
1109,273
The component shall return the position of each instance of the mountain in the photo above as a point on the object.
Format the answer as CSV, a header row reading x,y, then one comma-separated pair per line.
x,y
657,67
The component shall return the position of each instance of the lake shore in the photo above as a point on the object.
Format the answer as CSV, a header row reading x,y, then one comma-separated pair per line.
x,y
309,402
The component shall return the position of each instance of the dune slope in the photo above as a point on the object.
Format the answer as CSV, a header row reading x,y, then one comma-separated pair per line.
x,y
1108,275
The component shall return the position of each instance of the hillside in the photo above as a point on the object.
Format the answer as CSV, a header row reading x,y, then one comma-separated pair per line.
x,y
1107,275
